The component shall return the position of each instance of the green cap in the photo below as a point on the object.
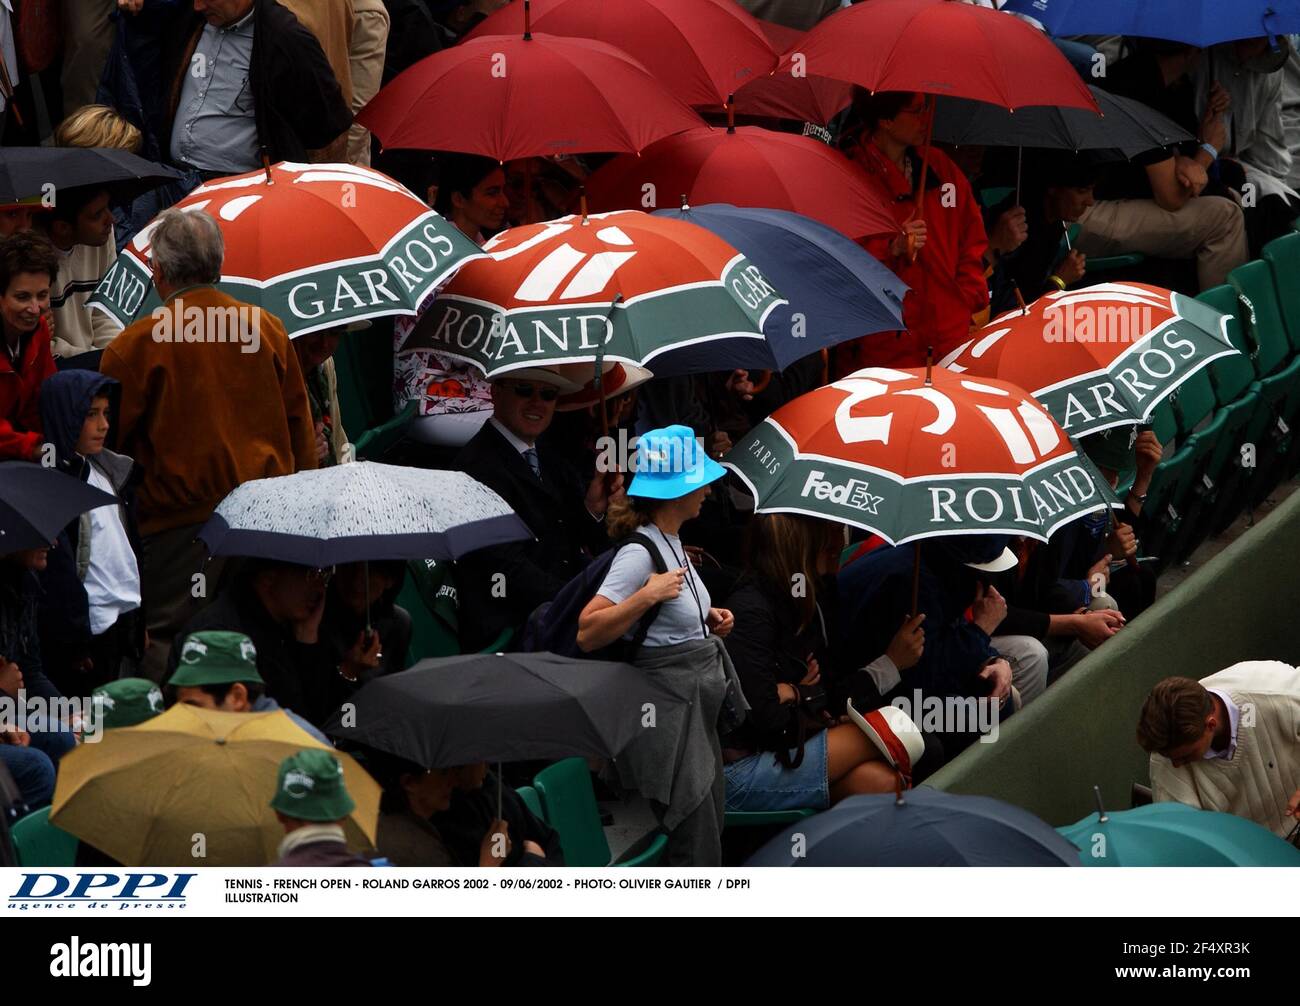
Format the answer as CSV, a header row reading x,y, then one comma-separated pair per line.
x,y
126,702
311,788
216,658
1112,448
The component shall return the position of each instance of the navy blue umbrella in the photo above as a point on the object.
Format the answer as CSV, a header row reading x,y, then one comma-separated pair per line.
x,y
836,290
928,828
36,503
1196,22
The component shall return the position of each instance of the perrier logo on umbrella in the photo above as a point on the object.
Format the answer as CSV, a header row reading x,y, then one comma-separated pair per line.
x,y
906,458
625,285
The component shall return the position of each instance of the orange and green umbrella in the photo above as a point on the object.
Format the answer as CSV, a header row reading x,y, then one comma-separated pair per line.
x,y
1101,356
909,457
316,245
625,287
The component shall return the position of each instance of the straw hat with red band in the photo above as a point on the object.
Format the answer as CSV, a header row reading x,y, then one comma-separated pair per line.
x,y
615,380
895,734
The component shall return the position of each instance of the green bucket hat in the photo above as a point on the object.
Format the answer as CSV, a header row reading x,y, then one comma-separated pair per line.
x,y
216,658
126,702
1112,448
311,788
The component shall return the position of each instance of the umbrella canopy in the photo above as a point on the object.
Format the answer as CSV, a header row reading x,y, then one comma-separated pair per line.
x,y
836,290
906,458
783,95
700,50
941,48
1196,22
317,245
142,794
359,511
36,503
504,707
1125,126
1173,834
929,828
626,287
539,95
1101,356
27,173
746,166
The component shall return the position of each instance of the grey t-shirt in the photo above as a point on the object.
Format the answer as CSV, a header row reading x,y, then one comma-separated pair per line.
x,y
681,619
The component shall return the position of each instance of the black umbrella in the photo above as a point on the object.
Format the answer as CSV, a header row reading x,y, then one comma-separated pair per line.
x,y
500,707
1126,127
36,503
26,173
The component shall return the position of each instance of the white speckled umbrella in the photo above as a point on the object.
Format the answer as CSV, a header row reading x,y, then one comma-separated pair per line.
x,y
360,511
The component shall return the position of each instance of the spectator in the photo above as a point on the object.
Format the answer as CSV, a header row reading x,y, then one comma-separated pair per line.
x,y
678,767
218,670
1153,205
1227,742
29,268
316,359
1255,151
312,803
412,35
199,417
347,616
94,578
22,674
16,217
458,18
406,834
87,37
80,226
473,811
500,586
455,400
101,126
938,250
366,60
800,14
279,607
792,751
268,86
960,656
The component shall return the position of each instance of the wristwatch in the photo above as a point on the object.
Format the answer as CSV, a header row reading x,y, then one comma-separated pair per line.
x,y
1140,497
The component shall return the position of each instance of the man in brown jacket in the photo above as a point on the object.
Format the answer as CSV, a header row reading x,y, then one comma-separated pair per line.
x,y
212,396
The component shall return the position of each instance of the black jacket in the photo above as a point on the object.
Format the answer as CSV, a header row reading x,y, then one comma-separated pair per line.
x,y
302,677
463,825
19,640
297,100
530,572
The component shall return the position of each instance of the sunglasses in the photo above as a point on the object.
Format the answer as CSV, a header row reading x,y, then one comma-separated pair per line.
x,y
528,390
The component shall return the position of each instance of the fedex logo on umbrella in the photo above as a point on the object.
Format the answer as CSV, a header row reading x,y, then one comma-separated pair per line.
x,y
851,493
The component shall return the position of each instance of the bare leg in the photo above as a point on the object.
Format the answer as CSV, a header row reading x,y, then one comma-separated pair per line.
x,y
847,747
869,777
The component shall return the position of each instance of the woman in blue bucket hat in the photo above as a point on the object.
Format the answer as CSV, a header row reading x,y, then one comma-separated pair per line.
x,y
677,765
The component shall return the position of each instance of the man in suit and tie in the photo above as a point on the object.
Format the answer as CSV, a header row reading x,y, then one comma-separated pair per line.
x,y
500,586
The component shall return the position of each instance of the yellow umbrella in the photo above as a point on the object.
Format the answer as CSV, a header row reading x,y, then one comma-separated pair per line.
x,y
193,787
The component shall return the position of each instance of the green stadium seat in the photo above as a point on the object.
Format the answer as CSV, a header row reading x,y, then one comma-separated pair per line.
x,y
570,806
1193,403
363,364
1101,263
38,843
758,818
1171,484
532,801
1283,258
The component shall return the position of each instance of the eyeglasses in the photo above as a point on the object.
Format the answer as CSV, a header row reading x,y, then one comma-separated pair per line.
x,y
528,390
321,576
916,109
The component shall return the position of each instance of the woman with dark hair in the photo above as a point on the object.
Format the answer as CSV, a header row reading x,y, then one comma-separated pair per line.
x,y
678,764
29,266
455,400
793,751
354,585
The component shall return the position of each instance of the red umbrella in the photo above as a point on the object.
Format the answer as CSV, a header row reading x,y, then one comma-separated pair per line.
x,y
941,48
525,96
745,166
782,95
700,50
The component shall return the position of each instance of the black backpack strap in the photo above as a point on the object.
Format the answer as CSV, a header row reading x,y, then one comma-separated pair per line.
x,y
660,566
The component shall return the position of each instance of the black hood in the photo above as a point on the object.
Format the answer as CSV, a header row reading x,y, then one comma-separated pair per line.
x,y
65,400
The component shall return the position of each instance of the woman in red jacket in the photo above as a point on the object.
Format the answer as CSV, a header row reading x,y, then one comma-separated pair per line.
x,y
28,266
938,252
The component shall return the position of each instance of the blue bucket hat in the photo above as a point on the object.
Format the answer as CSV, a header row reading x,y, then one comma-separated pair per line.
x,y
669,463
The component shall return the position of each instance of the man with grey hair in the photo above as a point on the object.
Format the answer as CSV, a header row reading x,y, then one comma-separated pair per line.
x,y
212,396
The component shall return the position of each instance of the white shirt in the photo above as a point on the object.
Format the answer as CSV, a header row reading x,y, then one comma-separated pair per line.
x,y
511,439
113,579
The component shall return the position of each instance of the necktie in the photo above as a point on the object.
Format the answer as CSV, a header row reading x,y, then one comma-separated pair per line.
x,y
530,456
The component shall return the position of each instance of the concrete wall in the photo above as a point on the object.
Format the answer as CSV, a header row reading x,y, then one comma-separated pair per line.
x,y
1243,605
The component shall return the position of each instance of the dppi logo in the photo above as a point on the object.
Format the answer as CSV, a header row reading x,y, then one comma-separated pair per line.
x,y
123,891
